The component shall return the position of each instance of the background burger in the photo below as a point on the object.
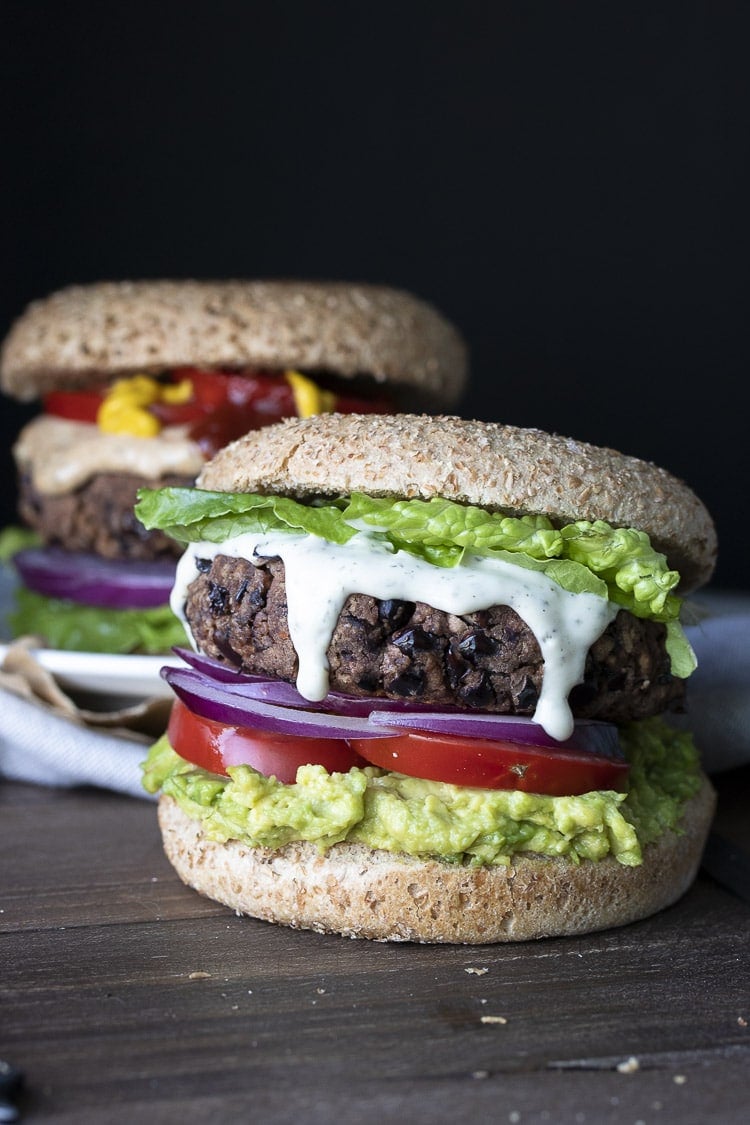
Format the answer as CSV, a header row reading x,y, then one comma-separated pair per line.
x,y
141,382
430,659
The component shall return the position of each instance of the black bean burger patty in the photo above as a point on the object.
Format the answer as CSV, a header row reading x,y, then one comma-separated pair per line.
x,y
488,660
98,517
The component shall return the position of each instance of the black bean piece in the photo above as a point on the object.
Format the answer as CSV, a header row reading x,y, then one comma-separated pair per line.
x,y
475,690
394,614
477,644
456,666
369,682
414,640
218,599
528,696
408,684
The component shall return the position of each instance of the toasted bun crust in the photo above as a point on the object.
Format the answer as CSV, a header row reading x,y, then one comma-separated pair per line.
x,y
88,333
494,466
357,892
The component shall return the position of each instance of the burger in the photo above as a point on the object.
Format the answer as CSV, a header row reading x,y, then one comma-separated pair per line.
x,y
141,382
427,693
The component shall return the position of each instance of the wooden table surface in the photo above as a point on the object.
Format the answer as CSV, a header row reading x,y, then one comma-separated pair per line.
x,y
124,996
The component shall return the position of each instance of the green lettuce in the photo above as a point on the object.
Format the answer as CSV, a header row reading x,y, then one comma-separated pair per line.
x,y
81,628
582,557
14,539
192,515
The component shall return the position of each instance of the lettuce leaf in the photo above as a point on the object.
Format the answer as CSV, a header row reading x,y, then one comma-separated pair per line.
x,y
81,628
193,515
438,523
14,538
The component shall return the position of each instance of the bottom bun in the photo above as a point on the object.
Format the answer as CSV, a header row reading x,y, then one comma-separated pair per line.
x,y
359,892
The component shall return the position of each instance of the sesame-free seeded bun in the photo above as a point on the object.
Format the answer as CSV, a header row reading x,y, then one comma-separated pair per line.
x,y
360,892
494,466
87,333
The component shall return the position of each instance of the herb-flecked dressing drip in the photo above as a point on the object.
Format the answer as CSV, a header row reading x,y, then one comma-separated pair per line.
x,y
320,576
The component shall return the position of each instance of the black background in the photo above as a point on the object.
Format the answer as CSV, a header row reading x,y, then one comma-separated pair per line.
x,y
567,182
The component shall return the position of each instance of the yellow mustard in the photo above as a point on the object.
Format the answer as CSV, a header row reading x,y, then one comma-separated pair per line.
x,y
309,398
125,406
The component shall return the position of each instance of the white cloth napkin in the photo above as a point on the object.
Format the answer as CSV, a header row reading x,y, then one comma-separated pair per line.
x,y
48,749
718,693
45,739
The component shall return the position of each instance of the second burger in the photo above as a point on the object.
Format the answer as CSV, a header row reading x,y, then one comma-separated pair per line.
x,y
141,382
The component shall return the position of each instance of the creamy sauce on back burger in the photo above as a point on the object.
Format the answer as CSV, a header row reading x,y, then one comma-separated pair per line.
x,y
60,455
319,576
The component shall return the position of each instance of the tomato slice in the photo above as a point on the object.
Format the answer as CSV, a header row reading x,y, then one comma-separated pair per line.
x,y
478,762
212,389
493,764
213,746
77,406
215,429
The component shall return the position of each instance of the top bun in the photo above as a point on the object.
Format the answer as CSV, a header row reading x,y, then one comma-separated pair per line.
x,y
494,466
89,333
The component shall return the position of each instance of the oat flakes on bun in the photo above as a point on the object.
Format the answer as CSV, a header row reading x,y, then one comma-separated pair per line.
x,y
141,382
430,667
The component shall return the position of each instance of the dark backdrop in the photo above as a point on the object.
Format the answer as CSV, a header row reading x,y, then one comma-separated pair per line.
x,y
567,182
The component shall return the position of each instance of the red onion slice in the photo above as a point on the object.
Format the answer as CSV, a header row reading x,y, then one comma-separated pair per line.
x,y
224,673
218,691
283,693
588,736
91,580
218,701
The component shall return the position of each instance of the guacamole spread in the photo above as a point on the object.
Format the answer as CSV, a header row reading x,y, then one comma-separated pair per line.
x,y
429,818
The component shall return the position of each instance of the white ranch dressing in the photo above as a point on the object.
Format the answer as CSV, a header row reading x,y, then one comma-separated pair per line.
x,y
319,576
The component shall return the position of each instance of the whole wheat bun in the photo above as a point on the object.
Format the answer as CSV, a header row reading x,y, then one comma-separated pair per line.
x,y
484,463
89,333
358,892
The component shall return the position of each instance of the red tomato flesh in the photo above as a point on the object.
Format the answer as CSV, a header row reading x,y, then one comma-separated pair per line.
x,y
77,406
494,765
213,746
212,389
481,763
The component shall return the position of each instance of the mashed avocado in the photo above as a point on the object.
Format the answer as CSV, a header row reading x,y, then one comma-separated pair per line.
x,y
429,818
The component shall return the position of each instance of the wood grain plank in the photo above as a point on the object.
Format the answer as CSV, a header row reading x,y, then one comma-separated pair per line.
x,y
122,992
